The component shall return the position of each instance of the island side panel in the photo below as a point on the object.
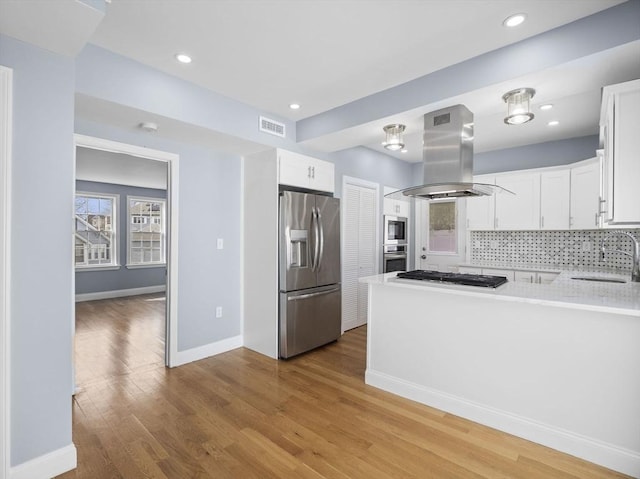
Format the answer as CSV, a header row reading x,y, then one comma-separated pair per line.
x,y
562,377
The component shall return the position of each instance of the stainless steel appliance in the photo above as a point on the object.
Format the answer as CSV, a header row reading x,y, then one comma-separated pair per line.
x,y
310,292
484,280
394,258
395,230
448,158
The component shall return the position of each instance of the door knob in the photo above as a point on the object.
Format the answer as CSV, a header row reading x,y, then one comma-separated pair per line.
x,y
424,256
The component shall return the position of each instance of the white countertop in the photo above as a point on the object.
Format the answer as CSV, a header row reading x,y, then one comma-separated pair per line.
x,y
617,298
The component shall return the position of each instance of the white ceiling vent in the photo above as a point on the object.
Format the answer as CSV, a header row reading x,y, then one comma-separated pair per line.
x,y
272,127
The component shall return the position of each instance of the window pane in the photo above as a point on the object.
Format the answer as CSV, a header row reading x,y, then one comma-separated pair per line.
x,y
442,227
94,229
146,231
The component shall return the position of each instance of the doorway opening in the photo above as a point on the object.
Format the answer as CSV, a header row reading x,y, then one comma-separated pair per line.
x,y
125,254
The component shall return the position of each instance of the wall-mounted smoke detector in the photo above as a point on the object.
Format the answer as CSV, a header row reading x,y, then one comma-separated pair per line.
x,y
272,127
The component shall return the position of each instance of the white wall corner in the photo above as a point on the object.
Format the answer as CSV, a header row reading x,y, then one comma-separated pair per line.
x,y
206,351
48,465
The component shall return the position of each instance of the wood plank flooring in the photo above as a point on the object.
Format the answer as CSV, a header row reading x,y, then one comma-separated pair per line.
x,y
242,415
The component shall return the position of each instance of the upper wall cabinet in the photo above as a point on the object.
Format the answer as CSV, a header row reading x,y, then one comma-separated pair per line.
x,y
520,211
305,172
555,199
393,207
585,195
480,210
620,139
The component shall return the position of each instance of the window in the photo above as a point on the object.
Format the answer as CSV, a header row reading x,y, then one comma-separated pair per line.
x,y
95,230
147,231
442,227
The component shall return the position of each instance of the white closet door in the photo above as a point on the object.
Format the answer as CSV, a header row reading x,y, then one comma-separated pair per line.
x,y
359,250
366,247
351,212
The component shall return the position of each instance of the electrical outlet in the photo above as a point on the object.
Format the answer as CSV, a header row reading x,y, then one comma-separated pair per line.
x,y
219,312
220,243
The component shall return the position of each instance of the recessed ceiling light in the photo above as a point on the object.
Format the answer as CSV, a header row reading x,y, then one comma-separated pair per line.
x,y
294,106
404,150
553,123
514,20
183,58
548,106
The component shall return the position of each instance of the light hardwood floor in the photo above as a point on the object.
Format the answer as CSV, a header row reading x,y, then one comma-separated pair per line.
x,y
242,415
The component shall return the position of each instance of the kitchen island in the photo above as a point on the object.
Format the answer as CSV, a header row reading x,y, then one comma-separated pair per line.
x,y
557,364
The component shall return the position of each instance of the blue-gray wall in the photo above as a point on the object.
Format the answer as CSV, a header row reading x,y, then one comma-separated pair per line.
x,y
208,208
41,253
123,278
552,153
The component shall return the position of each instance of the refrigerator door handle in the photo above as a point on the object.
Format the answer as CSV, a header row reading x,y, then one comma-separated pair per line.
x,y
311,295
316,238
321,236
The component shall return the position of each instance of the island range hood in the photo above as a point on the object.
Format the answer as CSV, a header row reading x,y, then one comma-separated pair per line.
x,y
447,155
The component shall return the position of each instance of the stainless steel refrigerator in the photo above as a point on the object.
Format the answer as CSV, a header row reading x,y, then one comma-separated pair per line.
x,y
310,292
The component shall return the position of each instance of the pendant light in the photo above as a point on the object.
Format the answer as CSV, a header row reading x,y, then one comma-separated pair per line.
x,y
394,140
518,106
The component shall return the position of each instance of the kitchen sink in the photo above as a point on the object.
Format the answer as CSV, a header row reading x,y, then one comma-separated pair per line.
x,y
598,279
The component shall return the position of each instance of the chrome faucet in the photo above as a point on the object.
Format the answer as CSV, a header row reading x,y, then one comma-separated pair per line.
x,y
635,256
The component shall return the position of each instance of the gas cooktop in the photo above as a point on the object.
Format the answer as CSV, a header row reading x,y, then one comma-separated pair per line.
x,y
482,280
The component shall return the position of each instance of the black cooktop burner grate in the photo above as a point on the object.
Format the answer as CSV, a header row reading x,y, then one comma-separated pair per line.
x,y
482,280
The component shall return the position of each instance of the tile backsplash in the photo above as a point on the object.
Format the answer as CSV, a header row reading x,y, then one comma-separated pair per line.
x,y
572,249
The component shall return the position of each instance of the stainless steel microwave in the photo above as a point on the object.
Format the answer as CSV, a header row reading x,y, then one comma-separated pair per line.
x,y
395,230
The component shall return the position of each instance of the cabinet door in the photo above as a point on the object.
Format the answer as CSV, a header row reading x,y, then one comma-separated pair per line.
x,y
508,273
585,196
546,278
295,169
554,200
525,276
626,161
469,270
481,210
322,175
520,211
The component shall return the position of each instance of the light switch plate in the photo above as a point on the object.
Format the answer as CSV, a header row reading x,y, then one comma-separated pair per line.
x,y
220,243
219,312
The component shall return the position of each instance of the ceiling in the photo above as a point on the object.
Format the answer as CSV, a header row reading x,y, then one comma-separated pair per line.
x,y
327,53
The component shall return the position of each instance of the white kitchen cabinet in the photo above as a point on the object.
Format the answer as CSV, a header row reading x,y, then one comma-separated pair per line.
x,y
619,137
508,273
520,211
536,277
305,172
481,210
585,195
555,199
394,207
469,270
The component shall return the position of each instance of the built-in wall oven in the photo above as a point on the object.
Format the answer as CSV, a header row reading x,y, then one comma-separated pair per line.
x,y
395,230
394,258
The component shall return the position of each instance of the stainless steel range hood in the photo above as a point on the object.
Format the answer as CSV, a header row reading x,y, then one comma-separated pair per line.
x,y
447,154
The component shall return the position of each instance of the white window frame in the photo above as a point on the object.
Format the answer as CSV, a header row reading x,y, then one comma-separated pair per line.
x,y
163,228
114,232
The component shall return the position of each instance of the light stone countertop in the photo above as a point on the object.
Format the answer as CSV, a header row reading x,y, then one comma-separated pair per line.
x,y
562,292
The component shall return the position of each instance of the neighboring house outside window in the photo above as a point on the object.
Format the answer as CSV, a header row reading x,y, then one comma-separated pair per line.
x,y
95,230
146,231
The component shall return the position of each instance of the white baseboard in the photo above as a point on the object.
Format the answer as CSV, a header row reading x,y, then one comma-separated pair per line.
x,y
120,293
208,350
592,450
48,465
